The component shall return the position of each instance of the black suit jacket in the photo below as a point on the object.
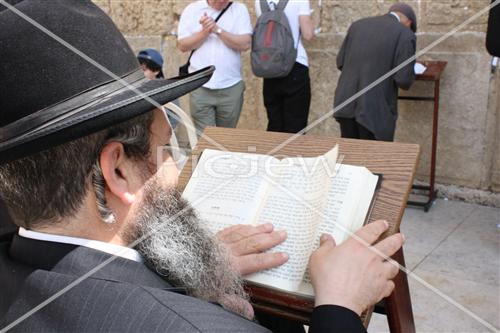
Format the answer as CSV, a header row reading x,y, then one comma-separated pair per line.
x,y
373,46
6,224
123,296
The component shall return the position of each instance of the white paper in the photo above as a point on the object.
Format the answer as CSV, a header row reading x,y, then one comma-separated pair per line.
x,y
419,68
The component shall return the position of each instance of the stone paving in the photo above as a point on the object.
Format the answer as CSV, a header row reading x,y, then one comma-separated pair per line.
x,y
455,247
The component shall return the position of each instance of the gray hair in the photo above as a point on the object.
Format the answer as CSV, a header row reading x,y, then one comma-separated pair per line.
x,y
50,185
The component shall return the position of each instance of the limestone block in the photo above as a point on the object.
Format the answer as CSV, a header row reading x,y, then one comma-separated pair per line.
x,y
253,114
337,16
442,16
142,17
172,56
462,120
138,43
324,76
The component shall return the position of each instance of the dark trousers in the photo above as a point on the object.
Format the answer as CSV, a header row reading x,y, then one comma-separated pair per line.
x,y
287,100
351,129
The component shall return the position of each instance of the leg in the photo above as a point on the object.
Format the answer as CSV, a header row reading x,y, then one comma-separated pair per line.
x,y
274,105
348,128
202,108
229,104
297,99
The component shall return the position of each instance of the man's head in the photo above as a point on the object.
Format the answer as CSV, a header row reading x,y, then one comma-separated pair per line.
x,y
109,187
78,151
218,4
406,15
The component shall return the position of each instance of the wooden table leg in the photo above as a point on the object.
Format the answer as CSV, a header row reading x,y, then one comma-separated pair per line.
x,y
398,305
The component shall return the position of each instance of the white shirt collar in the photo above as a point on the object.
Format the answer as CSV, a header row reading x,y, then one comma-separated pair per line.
x,y
396,16
117,250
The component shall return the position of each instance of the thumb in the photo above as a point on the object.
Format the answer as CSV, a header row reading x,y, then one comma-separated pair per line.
x,y
326,239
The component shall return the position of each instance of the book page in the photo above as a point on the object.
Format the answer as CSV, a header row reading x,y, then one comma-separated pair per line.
x,y
348,201
294,204
346,209
226,187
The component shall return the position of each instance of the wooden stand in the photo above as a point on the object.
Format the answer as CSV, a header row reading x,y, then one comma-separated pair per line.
x,y
396,161
433,74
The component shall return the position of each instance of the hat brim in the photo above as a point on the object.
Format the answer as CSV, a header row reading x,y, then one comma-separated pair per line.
x,y
103,114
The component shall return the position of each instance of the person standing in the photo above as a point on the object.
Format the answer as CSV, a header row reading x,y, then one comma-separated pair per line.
x,y
219,101
373,47
287,99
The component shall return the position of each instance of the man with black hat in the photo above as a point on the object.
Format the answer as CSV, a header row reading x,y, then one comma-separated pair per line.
x,y
373,47
82,175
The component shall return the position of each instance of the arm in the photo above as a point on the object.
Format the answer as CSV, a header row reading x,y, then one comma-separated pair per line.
x,y
405,50
352,276
236,42
192,42
306,27
198,38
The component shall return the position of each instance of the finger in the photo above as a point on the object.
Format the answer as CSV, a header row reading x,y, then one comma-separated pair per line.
x,y
257,243
326,238
390,245
391,269
258,262
371,232
240,231
389,287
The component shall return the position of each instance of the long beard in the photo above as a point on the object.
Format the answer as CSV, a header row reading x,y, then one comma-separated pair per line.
x,y
178,247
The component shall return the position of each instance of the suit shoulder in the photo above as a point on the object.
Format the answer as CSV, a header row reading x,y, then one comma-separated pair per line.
x,y
201,315
154,309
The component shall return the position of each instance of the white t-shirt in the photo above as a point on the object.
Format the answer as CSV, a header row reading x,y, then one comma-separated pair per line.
x,y
293,10
213,51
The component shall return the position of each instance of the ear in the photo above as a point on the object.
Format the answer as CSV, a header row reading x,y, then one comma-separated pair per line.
x,y
118,172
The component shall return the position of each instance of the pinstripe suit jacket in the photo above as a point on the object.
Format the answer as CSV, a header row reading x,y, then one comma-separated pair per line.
x,y
122,296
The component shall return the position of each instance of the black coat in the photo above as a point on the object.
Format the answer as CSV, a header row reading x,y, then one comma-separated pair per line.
x,y
373,46
123,296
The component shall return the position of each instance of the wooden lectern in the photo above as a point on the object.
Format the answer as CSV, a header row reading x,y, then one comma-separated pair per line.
x,y
396,161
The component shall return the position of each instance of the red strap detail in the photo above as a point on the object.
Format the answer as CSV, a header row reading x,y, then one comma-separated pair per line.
x,y
268,39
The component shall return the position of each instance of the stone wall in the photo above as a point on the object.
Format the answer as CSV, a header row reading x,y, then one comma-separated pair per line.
x,y
469,120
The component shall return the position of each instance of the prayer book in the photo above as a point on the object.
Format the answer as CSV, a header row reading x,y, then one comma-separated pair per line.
x,y
306,196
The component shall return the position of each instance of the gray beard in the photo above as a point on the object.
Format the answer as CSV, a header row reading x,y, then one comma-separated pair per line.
x,y
178,247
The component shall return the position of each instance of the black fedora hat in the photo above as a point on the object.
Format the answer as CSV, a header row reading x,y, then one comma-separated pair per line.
x,y
50,94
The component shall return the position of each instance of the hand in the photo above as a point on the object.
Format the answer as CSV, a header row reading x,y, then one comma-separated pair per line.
x,y
207,23
352,275
214,29
246,245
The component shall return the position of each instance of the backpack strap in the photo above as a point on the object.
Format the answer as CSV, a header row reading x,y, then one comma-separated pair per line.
x,y
264,6
282,4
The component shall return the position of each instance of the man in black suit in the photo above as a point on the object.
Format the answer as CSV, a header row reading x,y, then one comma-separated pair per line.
x,y
373,47
82,175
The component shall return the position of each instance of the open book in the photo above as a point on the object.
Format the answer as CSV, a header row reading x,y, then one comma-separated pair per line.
x,y
305,196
